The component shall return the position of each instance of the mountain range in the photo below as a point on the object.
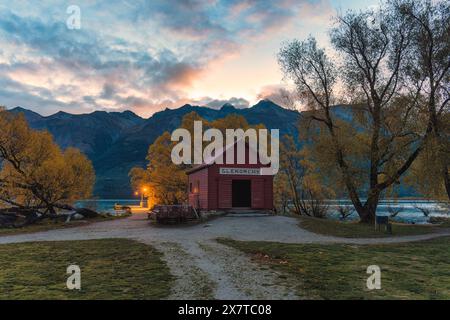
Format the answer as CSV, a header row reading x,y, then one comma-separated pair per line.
x,y
117,141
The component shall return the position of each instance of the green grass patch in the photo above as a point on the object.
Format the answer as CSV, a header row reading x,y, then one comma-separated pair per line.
x,y
418,270
48,224
360,230
110,269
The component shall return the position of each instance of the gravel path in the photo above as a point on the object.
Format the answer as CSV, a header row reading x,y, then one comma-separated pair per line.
x,y
204,268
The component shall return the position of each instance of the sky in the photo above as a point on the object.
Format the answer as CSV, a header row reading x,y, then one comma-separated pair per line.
x,y
146,56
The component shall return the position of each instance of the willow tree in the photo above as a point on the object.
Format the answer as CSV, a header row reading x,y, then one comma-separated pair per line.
x,y
429,173
393,121
428,70
35,173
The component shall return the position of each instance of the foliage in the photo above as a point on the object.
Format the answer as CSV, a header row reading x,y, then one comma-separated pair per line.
x,y
298,183
35,172
426,172
282,193
428,70
399,96
166,180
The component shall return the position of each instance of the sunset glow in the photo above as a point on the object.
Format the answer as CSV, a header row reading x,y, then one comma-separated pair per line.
x,y
148,55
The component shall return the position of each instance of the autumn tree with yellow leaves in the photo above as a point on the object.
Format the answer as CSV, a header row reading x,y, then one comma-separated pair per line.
x,y
35,173
167,181
298,187
427,174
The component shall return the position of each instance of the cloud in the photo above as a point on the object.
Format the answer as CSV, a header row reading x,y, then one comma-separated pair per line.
x,y
140,55
58,57
189,17
239,103
33,97
282,95
83,51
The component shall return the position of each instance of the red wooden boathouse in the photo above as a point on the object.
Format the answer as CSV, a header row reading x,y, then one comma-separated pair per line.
x,y
214,186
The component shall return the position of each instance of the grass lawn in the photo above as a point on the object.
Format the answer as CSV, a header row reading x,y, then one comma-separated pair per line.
x,y
110,269
418,270
359,230
47,224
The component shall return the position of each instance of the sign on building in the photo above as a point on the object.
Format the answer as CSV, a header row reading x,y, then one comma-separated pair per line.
x,y
241,171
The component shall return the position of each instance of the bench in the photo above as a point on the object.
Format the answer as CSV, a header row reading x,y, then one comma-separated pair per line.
x,y
173,214
383,220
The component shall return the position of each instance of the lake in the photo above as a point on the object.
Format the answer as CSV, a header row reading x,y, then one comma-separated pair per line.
x,y
105,205
410,212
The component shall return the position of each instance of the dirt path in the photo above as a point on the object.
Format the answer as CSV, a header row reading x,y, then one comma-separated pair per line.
x,y
204,268
192,282
209,270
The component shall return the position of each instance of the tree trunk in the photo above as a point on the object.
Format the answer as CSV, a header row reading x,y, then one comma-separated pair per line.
x,y
368,212
367,215
442,153
446,180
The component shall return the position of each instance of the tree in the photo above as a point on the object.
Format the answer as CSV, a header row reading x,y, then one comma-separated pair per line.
x,y
428,71
282,193
167,180
35,173
301,184
426,174
292,170
390,122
